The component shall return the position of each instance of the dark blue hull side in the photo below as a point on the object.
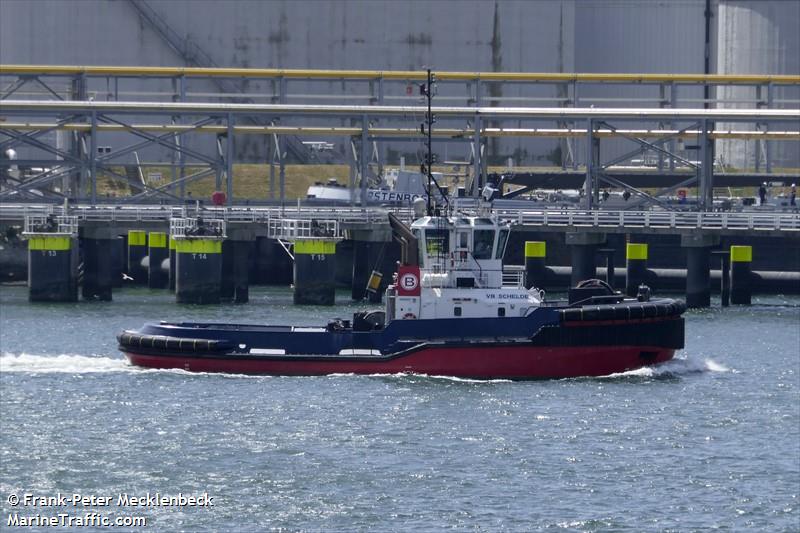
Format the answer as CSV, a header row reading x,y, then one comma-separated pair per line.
x,y
397,336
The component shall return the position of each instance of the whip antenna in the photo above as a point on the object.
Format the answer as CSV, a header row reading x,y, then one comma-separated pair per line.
x,y
426,128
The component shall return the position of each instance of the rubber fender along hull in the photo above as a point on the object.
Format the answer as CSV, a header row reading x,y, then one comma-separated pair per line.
x,y
479,362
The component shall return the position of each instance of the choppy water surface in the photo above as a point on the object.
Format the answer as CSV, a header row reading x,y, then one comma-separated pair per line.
x,y
711,439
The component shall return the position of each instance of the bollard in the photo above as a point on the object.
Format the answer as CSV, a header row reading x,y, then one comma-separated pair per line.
x,y
137,251
198,270
535,269
635,267
314,272
741,273
52,269
158,252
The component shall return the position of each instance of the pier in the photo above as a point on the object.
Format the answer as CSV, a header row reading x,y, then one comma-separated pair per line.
x,y
215,247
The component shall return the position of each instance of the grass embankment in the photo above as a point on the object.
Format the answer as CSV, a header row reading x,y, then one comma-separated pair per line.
x,y
251,181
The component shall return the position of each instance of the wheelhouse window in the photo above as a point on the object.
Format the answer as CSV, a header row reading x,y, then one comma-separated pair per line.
x,y
437,241
420,247
484,242
463,240
501,243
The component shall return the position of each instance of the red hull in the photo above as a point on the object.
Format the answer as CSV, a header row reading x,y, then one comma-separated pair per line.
x,y
514,362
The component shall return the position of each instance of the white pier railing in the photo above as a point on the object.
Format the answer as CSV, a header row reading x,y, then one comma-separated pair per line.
x,y
50,225
751,222
291,229
197,227
679,220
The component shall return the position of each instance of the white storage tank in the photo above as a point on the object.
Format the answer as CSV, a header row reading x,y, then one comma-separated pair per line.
x,y
758,38
638,36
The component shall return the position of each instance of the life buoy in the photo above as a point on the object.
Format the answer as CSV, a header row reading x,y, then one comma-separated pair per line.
x,y
409,316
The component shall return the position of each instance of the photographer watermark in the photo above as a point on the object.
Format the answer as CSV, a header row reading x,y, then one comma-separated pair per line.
x,y
29,509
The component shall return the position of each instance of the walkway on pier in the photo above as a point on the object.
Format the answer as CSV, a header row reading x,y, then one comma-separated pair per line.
x,y
559,220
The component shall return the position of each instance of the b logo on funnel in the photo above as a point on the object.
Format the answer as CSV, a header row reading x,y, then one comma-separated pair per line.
x,y
409,281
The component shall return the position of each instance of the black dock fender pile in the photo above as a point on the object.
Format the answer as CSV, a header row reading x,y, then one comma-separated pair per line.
x,y
131,339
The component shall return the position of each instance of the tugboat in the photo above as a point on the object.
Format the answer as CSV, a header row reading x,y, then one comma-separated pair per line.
x,y
450,311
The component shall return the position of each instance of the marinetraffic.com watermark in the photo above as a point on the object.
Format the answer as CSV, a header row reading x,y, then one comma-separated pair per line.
x,y
81,510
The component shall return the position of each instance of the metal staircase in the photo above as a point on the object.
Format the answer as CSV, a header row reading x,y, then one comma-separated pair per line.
x,y
189,51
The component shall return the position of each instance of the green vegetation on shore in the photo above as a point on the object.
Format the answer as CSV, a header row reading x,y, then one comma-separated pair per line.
x,y
251,181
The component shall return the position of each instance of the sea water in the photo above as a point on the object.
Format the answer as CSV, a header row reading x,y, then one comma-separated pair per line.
x,y
709,440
